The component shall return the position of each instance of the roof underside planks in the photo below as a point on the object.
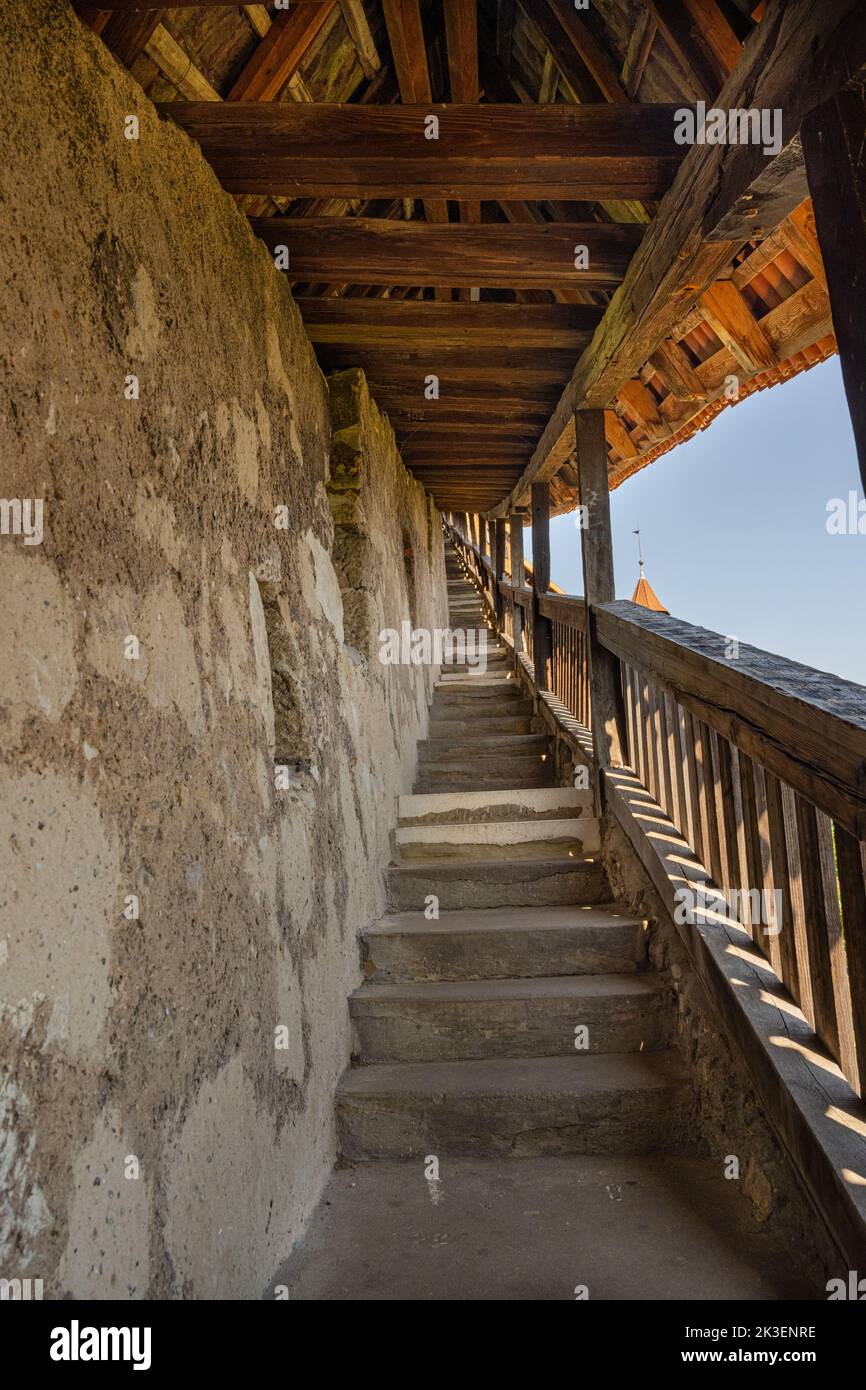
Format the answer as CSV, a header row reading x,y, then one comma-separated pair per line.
x,y
456,259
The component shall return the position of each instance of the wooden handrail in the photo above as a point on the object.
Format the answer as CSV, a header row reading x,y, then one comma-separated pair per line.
x,y
568,609
806,727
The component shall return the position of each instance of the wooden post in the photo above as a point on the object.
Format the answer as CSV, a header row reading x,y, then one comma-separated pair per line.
x,y
542,638
518,575
834,139
475,532
608,710
499,566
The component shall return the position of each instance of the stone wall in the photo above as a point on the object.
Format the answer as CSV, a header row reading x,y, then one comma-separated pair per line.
x,y
202,606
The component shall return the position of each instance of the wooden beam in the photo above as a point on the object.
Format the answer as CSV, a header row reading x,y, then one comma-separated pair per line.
x,y
573,73
799,56
671,363
608,715
477,374
549,81
617,435
528,213
279,55
359,32
94,16
125,35
792,327
373,251
406,414
139,5
259,17
731,319
834,139
592,55
175,64
639,49
461,37
717,33
406,36
641,404
408,324
329,150
686,41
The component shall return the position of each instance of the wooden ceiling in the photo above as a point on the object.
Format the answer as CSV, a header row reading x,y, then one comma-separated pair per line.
x,y
458,258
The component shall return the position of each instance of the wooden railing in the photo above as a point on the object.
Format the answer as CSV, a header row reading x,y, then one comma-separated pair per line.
x,y
759,763
569,668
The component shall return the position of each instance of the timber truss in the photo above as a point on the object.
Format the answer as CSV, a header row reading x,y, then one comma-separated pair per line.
x,y
485,205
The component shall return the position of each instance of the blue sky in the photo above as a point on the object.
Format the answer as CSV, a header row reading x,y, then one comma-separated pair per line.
x,y
734,527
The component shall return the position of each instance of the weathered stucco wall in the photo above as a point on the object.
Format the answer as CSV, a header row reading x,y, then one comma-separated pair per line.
x,y
151,1040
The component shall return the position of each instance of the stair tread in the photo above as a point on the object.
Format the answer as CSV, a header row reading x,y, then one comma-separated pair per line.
x,y
587,1073
493,741
539,987
493,868
505,919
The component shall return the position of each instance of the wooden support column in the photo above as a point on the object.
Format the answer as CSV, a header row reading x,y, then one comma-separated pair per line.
x,y
518,575
542,643
608,711
834,141
499,567
476,530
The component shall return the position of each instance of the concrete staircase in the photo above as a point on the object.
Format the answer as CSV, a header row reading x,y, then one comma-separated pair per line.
x,y
501,953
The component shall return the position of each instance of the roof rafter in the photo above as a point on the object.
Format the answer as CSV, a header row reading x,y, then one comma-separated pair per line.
x,y
799,56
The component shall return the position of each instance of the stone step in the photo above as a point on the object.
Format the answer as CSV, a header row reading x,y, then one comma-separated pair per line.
x,y
460,883
480,665
552,803
475,769
506,707
518,1108
443,780
494,684
479,748
455,1020
521,839
474,762
494,724
480,694
503,943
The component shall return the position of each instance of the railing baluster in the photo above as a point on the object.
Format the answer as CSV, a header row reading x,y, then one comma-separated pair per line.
x,y
706,799
687,734
787,969
631,704
851,859
649,738
660,723
823,932
673,763
798,903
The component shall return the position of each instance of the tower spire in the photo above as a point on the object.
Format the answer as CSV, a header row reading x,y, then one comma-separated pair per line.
x,y
644,594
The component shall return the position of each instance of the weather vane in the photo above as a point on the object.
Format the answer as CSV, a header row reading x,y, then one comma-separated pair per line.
x,y
636,532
